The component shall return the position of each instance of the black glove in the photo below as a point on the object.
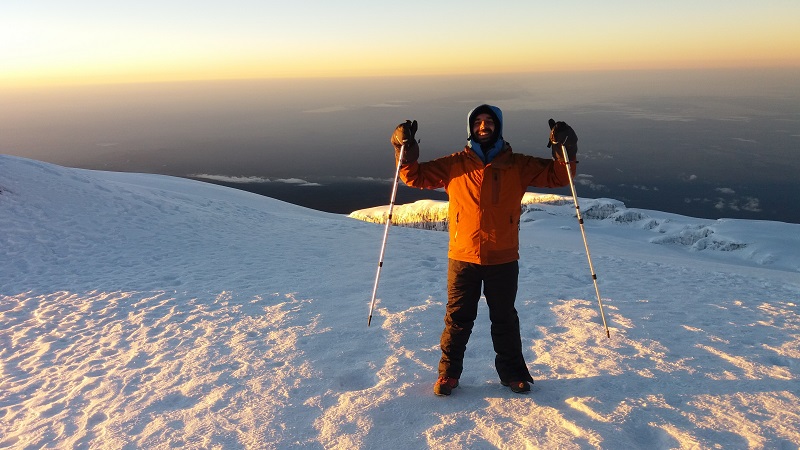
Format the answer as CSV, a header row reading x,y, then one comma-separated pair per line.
x,y
563,134
405,134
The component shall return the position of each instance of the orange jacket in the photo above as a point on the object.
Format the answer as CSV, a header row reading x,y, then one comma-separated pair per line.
x,y
484,210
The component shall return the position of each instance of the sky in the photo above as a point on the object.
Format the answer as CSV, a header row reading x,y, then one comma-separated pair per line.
x,y
145,311
96,42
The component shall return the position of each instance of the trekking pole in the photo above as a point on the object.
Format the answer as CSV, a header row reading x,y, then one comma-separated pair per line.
x,y
583,232
386,231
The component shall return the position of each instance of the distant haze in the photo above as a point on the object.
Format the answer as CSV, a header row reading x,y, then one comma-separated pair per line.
x,y
718,143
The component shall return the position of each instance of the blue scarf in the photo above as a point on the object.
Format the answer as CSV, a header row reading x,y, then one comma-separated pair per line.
x,y
486,156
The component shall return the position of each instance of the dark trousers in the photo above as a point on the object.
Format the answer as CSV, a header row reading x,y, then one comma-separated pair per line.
x,y
464,281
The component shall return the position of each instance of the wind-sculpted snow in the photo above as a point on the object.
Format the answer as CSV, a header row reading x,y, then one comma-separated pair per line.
x,y
423,214
142,311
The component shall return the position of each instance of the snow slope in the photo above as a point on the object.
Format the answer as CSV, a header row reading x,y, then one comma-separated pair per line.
x,y
143,311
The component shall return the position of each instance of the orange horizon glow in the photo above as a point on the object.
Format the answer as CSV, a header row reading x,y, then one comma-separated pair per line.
x,y
155,43
77,77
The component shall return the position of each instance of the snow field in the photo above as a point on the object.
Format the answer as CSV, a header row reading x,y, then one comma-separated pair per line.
x,y
142,311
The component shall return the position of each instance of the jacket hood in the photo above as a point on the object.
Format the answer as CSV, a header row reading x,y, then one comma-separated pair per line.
x,y
488,152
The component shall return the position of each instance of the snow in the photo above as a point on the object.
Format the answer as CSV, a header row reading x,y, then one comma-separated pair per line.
x,y
144,311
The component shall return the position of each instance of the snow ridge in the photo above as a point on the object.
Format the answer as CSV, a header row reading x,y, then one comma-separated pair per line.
x,y
700,235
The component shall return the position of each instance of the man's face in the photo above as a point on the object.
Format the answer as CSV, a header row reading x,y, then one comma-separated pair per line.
x,y
483,128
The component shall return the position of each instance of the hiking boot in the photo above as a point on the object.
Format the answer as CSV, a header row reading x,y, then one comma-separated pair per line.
x,y
444,385
518,387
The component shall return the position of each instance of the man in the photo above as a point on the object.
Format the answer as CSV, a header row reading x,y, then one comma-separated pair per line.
x,y
485,183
